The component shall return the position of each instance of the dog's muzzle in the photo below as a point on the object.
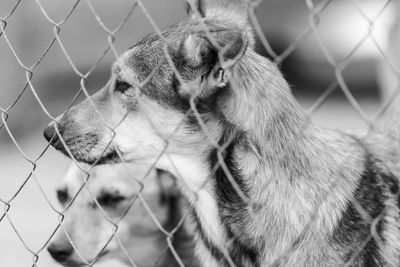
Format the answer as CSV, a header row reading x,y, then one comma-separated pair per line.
x,y
51,136
60,252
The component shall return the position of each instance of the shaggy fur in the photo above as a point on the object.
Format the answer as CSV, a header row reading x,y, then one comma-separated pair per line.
x,y
267,187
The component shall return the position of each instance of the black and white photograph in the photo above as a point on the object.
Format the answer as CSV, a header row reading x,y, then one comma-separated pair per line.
x,y
200,133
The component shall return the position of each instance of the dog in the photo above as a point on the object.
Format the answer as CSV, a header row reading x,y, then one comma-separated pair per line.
x,y
267,187
89,230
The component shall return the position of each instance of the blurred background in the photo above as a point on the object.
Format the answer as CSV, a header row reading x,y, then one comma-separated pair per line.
x,y
346,35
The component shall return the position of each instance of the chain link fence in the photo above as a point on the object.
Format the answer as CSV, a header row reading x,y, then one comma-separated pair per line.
x,y
28,85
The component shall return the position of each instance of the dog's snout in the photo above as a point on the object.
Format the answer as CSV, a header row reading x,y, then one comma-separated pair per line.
x,y
50,134
60,252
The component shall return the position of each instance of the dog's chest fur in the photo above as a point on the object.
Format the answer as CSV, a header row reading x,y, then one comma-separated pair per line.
x,y
311,219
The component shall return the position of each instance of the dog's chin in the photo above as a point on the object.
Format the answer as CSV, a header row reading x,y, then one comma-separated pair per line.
x,y
71,263
80,263
109,156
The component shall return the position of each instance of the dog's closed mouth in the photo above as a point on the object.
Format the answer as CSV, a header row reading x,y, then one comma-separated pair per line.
x,y
107,157
73,263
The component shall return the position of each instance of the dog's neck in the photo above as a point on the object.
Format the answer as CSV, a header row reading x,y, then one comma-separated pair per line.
x,y
260,103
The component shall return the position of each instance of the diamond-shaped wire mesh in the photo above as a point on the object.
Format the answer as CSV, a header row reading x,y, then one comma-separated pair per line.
x,y
342,61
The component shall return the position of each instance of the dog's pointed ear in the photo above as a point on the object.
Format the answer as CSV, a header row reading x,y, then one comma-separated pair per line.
x,y
215,53
233,9
223,46
229,9
194,8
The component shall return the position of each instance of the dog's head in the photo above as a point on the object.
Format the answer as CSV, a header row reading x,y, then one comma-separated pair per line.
x,y
162,92
86,232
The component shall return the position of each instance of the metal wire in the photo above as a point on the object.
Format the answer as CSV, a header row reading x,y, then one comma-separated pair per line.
x,y
316,10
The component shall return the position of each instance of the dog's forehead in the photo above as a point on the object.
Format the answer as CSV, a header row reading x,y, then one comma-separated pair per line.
x,y
136,64
150,50
123,69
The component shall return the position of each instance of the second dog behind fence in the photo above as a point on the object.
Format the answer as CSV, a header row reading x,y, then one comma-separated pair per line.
x,y
267,187
85,232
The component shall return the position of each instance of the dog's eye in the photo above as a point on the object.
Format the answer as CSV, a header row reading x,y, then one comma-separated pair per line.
x,y
62,195
121,86
110,200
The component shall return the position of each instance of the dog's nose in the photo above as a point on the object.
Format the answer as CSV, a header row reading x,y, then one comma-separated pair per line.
x,y
60,252
50,134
